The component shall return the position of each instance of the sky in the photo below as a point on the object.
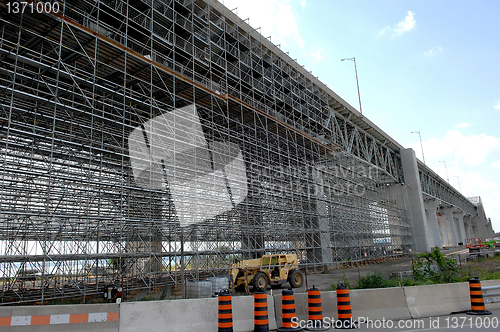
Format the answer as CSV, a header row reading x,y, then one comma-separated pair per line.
x,y
428,66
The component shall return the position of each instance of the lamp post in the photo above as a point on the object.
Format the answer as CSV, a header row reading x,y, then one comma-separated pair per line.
x,y
421,146
357,83
459,186
446,169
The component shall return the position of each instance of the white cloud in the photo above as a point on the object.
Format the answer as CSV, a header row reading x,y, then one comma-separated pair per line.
x,y
475,181
472,150
433,51
384,30
317,54
475,149
407,24
278,19
491,205
496,164
462,125
285,22
497,105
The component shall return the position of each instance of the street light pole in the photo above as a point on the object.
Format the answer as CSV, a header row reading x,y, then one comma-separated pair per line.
x,y
357,82
421,146
446,169
459,186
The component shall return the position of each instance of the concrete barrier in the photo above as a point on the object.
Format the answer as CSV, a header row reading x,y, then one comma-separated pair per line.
x,y
201,314
386,303
81,317
188,315
437,300
177,315
442,299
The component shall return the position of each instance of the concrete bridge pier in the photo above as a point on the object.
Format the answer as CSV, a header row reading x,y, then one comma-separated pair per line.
x,y
479,227
449,224
443,231
415,199
458,218
475,230
432,226
480,224
468,227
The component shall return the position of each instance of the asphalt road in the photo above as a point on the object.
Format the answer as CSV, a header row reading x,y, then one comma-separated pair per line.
x,y
455,322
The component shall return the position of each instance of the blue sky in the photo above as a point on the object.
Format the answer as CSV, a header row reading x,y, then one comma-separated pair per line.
x,y
428,66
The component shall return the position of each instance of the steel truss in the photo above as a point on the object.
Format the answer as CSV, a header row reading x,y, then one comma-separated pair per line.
x,y
74,86
434,187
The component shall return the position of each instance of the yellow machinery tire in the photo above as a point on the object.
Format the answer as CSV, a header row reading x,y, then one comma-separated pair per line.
x,y
260,281
295,278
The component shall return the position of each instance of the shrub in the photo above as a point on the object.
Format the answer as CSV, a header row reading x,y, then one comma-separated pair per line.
x,y
344,281
435,267
374,280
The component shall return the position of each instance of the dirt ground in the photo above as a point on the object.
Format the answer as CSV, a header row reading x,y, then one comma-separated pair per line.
x,y
324,279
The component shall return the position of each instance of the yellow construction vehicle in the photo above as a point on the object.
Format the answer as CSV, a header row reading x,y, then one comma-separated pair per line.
x,y
271,270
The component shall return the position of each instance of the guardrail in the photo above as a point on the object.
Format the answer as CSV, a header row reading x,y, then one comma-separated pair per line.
x,y
492,298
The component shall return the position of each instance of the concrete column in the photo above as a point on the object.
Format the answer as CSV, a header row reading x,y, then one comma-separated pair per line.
x,y
459,224
434,236
416,202
475,231
452,231
443,231
450,225
489,229
468,227
479,226
481,222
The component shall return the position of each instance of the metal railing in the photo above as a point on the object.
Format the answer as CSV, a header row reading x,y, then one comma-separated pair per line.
x,y
489,294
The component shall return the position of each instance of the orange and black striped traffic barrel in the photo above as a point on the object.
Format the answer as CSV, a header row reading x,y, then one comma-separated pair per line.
x,y
261,316
225,311
288,312
476,298
315,311
344,308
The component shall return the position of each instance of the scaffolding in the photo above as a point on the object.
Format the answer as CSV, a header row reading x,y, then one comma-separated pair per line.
x,y
146,142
